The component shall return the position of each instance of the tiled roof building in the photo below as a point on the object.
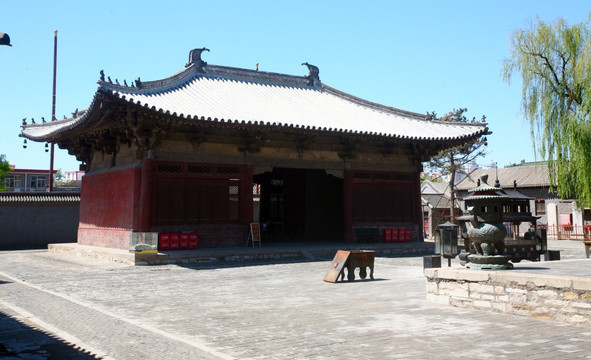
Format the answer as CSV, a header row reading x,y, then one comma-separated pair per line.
x,y
528,181
182,153
436,201
532,180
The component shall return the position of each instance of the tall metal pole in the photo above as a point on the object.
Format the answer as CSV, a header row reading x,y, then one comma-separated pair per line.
x,y
53,108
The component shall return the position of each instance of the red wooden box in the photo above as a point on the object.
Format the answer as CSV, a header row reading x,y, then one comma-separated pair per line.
x,y
193,239
184,241
406,236
395,235
174,241
387,235
163,241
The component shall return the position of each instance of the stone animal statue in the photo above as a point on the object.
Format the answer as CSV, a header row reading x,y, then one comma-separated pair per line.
x,y
488,239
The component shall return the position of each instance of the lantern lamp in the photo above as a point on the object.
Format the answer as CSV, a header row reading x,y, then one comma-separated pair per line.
x,y
448,235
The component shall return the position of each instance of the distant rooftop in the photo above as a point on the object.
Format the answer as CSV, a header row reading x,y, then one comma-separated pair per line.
x,y
530,175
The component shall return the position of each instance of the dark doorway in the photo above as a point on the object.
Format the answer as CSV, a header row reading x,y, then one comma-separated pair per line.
x,y
300,205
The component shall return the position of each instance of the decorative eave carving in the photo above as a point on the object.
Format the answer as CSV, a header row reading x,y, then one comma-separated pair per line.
x,y
145,129
386,148
349,149
252,141
78,148
197,137
303,143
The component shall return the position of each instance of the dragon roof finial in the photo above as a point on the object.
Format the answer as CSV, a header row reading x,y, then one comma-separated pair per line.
x,y
313,78
195,58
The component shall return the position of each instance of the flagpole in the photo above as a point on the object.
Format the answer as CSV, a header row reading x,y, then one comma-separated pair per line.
x,y
53,108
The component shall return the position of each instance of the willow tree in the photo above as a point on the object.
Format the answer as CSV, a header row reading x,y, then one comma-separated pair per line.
x,y
554,61
450,161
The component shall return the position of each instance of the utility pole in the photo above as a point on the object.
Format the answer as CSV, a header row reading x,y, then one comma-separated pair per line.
x,y
53,109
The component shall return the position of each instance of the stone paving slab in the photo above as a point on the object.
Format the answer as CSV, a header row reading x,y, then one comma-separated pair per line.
x,y
22,339
264,310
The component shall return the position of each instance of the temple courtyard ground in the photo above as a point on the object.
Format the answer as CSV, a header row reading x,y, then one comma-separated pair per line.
x,y
62,307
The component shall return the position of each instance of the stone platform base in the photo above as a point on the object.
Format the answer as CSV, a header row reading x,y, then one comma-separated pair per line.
x,y
549,297
271,252
93,252
172,257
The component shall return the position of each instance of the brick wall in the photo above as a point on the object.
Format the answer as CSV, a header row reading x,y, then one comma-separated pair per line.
x,y
33,224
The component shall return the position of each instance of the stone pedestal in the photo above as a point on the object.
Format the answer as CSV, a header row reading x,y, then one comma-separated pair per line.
x,y
490,262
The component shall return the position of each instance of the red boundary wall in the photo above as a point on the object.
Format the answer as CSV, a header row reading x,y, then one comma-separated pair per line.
x,y
109,208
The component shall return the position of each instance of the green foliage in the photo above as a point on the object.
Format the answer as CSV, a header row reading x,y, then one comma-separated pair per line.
x,y
58,176
449,161
65,183
60,179
554,61
428,176
4,169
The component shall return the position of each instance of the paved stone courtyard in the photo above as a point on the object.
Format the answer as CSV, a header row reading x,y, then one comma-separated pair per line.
x,y
54,304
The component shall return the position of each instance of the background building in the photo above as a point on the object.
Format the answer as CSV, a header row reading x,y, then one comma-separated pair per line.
x,y
27,180
73,175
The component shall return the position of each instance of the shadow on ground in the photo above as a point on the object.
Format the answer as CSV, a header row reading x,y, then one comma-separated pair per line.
x,y
21,341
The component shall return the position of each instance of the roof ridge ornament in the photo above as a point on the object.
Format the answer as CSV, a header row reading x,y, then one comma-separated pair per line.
x,y
195,58
313,78
5,39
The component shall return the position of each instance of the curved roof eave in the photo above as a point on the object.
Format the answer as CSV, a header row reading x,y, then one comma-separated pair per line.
x,y
245,97
52,131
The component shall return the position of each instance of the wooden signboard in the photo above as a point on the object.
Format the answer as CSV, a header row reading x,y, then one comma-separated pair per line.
x,y
255,234
336,266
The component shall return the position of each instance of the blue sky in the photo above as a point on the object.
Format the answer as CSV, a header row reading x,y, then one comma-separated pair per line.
x,y
415,55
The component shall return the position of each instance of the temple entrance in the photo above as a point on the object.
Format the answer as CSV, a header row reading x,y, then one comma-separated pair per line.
x,y
300,205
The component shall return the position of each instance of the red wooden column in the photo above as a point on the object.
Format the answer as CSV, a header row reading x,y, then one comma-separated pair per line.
x,y
146,182
348,206
417,210
246,195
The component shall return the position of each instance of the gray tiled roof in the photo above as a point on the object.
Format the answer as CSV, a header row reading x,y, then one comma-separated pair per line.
x,y
437,201
438,187
223,94
525,176
42,197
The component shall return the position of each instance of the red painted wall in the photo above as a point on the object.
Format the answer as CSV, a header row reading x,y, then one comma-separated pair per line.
x,y
109,207
405,211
